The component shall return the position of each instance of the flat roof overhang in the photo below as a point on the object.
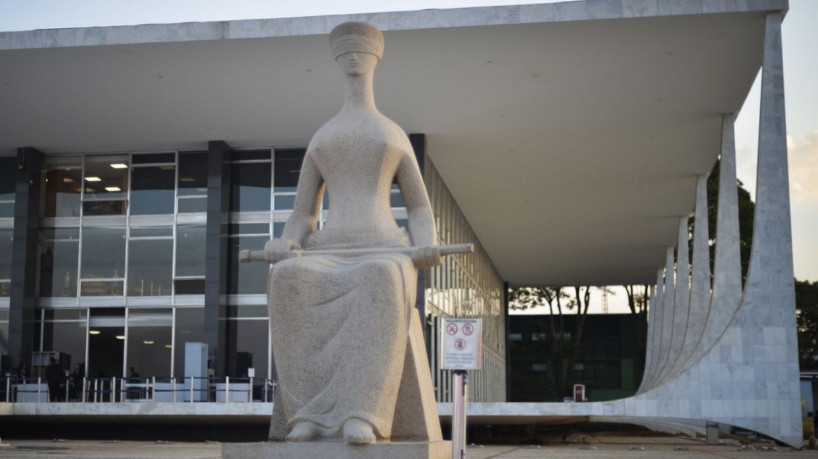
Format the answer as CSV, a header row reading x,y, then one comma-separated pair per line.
x,y
570,134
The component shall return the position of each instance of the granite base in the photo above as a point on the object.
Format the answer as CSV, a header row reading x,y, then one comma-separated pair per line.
x,y
338,450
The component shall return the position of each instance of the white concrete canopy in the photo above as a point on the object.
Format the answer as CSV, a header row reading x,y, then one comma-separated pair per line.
x,y
570,134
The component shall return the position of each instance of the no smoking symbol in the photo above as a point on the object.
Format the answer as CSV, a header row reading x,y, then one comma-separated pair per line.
x,y
468,329
451,329
460,344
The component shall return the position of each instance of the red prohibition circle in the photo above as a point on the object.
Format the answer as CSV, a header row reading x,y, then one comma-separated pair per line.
x,y
468,329
451,329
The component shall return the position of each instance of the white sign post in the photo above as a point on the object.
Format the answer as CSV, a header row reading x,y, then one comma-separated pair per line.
x,y
461,349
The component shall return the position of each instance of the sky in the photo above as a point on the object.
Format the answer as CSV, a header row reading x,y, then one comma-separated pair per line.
x,y
800,45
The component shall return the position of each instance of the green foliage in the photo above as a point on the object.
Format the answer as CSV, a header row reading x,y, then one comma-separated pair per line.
x,y
806,301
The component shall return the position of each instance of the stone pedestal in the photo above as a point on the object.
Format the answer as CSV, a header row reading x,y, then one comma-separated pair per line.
x,y
338,450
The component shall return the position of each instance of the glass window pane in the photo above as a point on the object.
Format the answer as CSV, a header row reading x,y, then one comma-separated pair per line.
x,y
106,177
287,168
103,253
5,250
246,347
6,209
249,228
197,204
152,190
284,202
149,267
8,168
101,288
251,155
153,158
93,208
278,229
62,188
189,329
4,335
250,187
59,250
192,174
189,286
246,277
149,342
190,251
68,338
151,231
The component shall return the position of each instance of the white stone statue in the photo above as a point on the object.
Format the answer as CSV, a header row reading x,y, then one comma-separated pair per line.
x,y
346,337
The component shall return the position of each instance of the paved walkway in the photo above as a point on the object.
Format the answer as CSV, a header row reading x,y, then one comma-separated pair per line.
x,y
596,446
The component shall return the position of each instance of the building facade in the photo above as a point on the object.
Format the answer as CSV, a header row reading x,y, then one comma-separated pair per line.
x,y
126,266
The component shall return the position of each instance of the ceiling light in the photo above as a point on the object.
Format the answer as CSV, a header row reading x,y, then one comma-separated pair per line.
x,y
113,188
94,332
119,165
93,179
187,179
120,337
67,180
169,346
147,341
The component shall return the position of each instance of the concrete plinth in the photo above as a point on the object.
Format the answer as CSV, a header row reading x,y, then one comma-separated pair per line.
x,y
338,450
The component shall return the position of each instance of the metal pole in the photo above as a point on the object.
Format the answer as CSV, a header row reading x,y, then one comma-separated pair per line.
x,y
153,388
459,392
84,388
266,381
8,389
67,389
227,389
191,389
113,389
96,389
173,387
250,391
38,390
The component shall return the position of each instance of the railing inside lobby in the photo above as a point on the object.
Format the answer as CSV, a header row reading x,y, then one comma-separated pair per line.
x,y
123,390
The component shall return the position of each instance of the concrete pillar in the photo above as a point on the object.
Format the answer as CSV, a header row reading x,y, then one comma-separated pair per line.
x,y
24,255
653,313
681,300
218,206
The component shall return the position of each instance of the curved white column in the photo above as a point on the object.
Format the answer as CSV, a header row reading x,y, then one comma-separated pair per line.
x,y
653,310
681,299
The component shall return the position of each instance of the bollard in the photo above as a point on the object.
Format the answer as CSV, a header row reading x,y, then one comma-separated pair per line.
x,y
459,397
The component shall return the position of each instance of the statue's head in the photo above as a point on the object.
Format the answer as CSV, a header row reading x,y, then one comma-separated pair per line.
x,y
357,47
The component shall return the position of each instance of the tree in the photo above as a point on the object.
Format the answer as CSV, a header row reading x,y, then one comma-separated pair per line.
x,y
806,300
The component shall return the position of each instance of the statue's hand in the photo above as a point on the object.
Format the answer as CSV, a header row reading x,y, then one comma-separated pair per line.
x,y
426,257
281,249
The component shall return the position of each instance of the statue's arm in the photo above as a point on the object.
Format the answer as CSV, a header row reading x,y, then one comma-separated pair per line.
x,y
421,221
303,220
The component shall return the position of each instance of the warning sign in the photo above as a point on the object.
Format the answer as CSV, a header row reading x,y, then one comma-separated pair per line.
x,y
461,344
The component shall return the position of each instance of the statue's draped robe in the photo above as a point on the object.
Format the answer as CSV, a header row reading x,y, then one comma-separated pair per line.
x,y
339,329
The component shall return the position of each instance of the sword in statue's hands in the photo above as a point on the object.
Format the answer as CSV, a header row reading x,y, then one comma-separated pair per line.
x,y
422,256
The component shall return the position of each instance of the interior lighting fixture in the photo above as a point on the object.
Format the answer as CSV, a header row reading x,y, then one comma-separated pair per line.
x,y
147,341
113,188
168,346
186,179
93,179
119,165
67,180
94,332
120,337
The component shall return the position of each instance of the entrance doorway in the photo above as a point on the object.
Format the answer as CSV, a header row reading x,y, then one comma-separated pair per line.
x,y
106,343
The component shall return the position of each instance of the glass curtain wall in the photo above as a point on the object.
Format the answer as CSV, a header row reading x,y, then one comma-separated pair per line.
x,y
464,286
8,167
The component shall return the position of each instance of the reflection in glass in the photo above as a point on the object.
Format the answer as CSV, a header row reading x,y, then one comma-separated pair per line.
x,y
287,167
192,174
154,158
101,288
8,168
188,204
105,178
250,187
4,331
246,277
189,329
66,335
247,344
152,190
150,267
62,186
189,286
59,250
149,342
190,251
103,257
